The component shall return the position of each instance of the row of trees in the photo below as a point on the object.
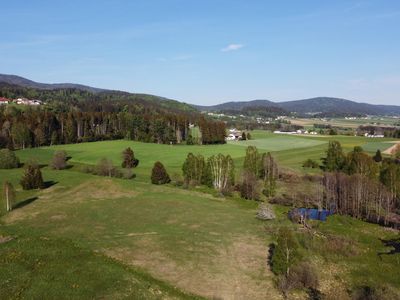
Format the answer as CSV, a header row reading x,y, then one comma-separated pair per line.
x,y
84,123
259,173
360,185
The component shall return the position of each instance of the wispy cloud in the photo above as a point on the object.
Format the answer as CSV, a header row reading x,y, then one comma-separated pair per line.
x,y
232,47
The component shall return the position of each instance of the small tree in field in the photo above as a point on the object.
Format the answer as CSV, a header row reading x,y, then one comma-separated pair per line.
x,y
248,136
285,253
8,195
244,137
159,175
335,158
221,172
194,169
8,159
249,187
378,156
105,167
32,178
128,159
59,161
252,161
269,174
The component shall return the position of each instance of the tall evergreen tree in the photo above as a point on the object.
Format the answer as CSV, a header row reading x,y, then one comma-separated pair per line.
x,y
128,159
378,156
159,174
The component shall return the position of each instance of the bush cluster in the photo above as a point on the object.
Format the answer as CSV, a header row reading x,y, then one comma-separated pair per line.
x,y
8,159
106,168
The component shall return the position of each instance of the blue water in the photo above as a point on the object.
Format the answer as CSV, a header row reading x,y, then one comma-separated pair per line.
x,y
312,213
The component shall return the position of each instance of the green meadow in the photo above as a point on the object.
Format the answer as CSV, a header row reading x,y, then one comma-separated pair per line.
x,y
88,237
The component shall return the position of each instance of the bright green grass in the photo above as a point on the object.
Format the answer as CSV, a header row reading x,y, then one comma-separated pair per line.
x,y
291,151
127,218
279,143
163,229
34,266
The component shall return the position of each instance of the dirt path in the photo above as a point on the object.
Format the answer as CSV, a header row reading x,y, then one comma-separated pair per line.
x,y
391,149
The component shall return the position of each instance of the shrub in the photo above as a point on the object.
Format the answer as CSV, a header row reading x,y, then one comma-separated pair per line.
x,y
309,163
128,159
301,276
59,161
124,173
8,159
189,140
105,167
177,179
194,170
286,252
32,178
374,293
250,188
158,174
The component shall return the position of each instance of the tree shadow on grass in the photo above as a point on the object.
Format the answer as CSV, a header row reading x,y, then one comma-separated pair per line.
x,y
24,202
49,183
394,243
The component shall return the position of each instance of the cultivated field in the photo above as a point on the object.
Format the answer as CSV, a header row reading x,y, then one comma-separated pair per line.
x,y
87,236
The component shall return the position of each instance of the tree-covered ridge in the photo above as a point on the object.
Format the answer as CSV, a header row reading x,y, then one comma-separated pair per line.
x,y
74,95
73,116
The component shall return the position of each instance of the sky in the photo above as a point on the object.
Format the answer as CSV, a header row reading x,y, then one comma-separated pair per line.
x,y
209,51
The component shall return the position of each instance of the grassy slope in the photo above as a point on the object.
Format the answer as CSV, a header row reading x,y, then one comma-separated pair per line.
x,y
203,244
189,239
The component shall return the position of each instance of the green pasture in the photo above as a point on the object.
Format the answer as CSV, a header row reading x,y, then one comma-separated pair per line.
x,y
291,151
87,236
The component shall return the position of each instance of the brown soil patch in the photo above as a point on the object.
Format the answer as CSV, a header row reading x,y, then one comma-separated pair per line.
x,y
237,271
58,217
5,239
391,149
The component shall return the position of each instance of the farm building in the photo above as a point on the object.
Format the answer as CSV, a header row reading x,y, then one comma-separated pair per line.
x,y
4,100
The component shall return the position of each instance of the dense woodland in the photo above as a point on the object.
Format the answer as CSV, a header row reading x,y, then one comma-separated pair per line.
x,y
73,116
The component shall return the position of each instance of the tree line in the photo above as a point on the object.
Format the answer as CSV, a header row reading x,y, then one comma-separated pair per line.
x,y
258,174
363,186
104,120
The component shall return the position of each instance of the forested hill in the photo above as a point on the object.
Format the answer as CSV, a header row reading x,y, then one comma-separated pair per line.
x,y
319,105
12,86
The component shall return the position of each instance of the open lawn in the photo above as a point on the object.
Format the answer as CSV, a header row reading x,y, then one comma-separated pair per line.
x,y
291,151
87,236
342,122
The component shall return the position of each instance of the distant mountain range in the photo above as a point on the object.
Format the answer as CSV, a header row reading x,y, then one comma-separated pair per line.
x,y
21,81
323,106
318,105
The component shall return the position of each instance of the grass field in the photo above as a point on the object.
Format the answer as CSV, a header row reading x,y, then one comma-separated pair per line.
x,y
93,237
345,123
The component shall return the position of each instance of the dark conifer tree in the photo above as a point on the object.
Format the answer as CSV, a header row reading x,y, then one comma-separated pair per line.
x,y
159,174
128,159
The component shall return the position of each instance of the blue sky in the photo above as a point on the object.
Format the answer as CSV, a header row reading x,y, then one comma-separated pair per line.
x,y
207,52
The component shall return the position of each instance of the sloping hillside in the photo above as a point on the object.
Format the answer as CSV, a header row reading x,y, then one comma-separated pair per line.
x,y
318,105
